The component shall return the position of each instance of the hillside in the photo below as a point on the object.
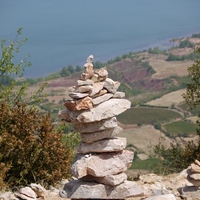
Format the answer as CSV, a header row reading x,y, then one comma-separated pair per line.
x,y
153,79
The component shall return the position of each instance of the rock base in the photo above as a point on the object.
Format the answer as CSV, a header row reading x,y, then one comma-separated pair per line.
x,y
91,190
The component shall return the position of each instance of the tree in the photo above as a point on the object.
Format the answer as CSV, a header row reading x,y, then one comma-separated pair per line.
x,y
10,93
64,72
32,148
182,154
192,95
78,68
70,68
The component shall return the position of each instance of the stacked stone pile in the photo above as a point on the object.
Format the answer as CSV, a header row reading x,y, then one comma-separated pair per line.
x,y
194,173
102,159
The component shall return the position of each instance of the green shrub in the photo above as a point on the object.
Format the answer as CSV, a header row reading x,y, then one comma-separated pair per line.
x,y
30,147
176,158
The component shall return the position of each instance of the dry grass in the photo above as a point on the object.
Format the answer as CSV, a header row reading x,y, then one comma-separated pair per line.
x,y
168,99
165,69
141,138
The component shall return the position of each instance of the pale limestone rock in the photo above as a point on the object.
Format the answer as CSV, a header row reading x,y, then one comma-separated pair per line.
x,y
38,189
197,162
8,196
86,82
102,98
111,85
195,168
97,87
102,164
96,126
26,193
81,104
91,190
78,95
105,145
111,180
162,197
193,181
102,74
100,93
88,72
119,95
190,192
90,59
95,78
105,110
195,176
108,133
84,89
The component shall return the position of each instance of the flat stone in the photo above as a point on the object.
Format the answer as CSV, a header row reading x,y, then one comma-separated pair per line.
x,y
96,126
95,136
26,193
102,164
100,93
102,98
97,87
193,181
105,145
105,110
95,78
90,190
102,74
112,180
197,162
119,95
111,85
78,95
88,72
195,168
190,192
81,104
195,176
84,88
86,82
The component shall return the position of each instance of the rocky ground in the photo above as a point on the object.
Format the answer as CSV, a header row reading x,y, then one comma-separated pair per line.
x,y
171,187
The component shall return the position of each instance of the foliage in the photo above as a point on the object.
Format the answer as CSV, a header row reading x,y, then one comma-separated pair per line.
x,y
186,43
181,154
176,158
67,71
11,93
191,56
31,147
197,35
155,50
192,95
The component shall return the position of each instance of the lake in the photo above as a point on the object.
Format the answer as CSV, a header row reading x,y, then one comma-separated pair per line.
x,y
66,32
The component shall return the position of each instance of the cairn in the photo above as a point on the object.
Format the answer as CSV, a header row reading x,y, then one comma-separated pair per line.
x,y
193,172
101,160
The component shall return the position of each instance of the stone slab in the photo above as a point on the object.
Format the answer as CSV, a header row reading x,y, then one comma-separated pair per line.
x,y
96,126
105,145
101,164
111,180
105,110
95,136
90,190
